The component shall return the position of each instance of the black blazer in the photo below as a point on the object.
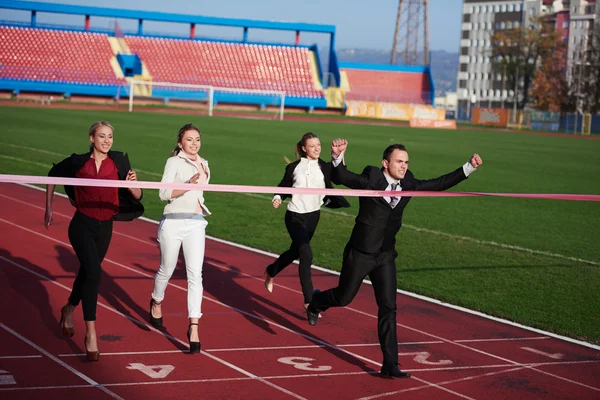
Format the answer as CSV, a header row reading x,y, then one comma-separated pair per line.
x,y
328,201
129,207
377,223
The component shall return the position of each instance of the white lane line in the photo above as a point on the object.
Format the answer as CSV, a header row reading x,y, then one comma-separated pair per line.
x,y
317,346
500,339
554,356
59,361
20,160
28,149
18,357
124,353
15,389
243,348
242,371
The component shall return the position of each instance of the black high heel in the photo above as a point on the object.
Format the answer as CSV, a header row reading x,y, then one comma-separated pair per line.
x,y
194,346
155,322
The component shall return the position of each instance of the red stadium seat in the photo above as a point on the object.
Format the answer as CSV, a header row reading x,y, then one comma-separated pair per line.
x,y
388,86
233,65
56,56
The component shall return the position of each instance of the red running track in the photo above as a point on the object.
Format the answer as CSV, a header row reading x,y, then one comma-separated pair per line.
x,y
256,345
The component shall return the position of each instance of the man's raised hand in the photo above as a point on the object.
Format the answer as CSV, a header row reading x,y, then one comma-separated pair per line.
x,y
338,146
475,160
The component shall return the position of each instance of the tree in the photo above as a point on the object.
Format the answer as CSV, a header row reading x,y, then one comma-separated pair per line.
x,y
550,87
520,51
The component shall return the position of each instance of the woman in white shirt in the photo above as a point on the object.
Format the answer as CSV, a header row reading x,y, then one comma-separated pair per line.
x,y
183,224
303,210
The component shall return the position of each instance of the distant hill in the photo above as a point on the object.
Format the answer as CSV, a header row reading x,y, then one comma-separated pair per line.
x,y
444,65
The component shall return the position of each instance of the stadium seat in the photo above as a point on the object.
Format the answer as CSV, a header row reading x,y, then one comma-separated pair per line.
x,y
232,65
56,56
388,86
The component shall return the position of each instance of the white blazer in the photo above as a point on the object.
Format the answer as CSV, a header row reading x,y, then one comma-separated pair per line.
x,y
179,169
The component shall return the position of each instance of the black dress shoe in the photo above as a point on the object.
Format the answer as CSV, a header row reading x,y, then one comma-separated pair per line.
x,y
313,317
389,371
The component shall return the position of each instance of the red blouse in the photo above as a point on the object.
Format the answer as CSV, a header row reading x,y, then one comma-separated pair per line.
x,y
101,203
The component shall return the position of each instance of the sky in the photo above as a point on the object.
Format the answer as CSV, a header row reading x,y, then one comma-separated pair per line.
x,y
359,23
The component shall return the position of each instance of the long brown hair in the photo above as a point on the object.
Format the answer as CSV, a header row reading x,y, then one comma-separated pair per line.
x,y
299,152
95,127
182,130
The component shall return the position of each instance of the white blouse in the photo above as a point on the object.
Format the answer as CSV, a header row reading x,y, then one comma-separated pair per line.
x,y
307,174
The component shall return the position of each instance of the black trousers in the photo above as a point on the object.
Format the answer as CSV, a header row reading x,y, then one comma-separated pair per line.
x,y
301,228
381,269
90,239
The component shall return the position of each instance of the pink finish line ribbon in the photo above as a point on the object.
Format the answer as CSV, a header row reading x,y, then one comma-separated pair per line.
x,y
48,180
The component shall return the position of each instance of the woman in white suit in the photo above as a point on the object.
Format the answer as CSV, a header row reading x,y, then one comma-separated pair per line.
x,y
183,224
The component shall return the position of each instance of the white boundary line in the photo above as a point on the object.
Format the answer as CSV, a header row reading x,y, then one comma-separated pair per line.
x,y
60,362
315,346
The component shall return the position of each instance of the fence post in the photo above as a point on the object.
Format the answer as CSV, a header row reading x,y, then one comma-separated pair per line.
x,y
586,124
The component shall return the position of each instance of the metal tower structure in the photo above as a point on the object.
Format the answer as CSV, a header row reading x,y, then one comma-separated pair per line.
x,y
411,37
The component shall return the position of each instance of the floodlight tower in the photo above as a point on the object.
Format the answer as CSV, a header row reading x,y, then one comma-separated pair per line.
x,y
411,36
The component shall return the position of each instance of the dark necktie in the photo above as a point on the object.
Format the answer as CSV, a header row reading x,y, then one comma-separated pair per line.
x,y
394,200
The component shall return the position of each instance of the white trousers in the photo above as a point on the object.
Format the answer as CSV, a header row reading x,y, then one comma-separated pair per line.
x,y
172,234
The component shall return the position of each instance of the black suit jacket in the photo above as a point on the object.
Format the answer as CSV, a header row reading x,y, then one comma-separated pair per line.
x,y
377,223
129,208
328,201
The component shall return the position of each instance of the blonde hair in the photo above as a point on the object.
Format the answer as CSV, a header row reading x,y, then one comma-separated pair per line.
x,y
95,127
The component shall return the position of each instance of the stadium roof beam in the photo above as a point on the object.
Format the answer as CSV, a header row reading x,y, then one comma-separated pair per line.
x,y
164,17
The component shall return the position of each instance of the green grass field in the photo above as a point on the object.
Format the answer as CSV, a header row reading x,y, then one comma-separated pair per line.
x,y
532,261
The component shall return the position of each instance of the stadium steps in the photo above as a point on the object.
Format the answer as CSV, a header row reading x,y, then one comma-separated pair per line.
x,y
314,71
119,46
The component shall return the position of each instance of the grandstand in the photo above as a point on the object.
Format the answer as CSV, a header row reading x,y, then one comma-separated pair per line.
x,y
72,62
56,56
386,83
232,65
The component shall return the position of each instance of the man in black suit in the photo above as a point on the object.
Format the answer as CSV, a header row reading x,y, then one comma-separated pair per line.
x,y
371,250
